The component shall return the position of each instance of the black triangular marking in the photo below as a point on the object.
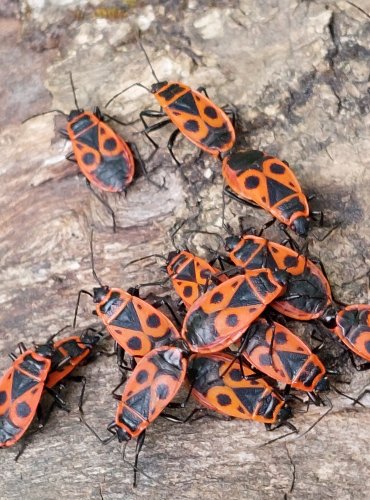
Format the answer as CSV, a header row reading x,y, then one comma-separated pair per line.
x,y
249,396
292,361
21,384
188,273
90,137
128,319
246,250
185,103
277,191
140,402
244,296
262,259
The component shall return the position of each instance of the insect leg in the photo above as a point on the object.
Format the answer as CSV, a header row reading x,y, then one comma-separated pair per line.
x,y
105,203
142,166
139,445
170,144
149,113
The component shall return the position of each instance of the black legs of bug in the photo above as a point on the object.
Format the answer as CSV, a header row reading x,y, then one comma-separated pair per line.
x,y
235,197
105,203
359,367
139,445
361,396
42,417
170,144
139,161
78,305
150,113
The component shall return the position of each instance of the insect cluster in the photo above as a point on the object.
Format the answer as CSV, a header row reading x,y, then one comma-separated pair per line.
x,y
227,340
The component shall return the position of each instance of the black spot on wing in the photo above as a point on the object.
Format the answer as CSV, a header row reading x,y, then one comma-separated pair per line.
x,y
236,375
264,360
110,144
290,261
223,399
277,169
191,126
188,291
88,158
216,298
3,397
142,376
251,182
280,338
232,320
23,409
134,343
211,112
205,274
153,320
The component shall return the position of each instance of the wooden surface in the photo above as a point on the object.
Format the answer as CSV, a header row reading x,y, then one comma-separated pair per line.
x,y
298,74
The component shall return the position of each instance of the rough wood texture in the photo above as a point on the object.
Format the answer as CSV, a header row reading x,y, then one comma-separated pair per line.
x,y
297,72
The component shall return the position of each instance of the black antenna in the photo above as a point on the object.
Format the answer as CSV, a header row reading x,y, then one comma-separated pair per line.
x,y
173,233
319,419
211,233
145,258
124,90
95,276
74,91
58,332
148,60
45,113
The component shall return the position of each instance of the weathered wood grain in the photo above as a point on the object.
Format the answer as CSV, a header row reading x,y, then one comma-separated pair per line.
x,y
297,72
